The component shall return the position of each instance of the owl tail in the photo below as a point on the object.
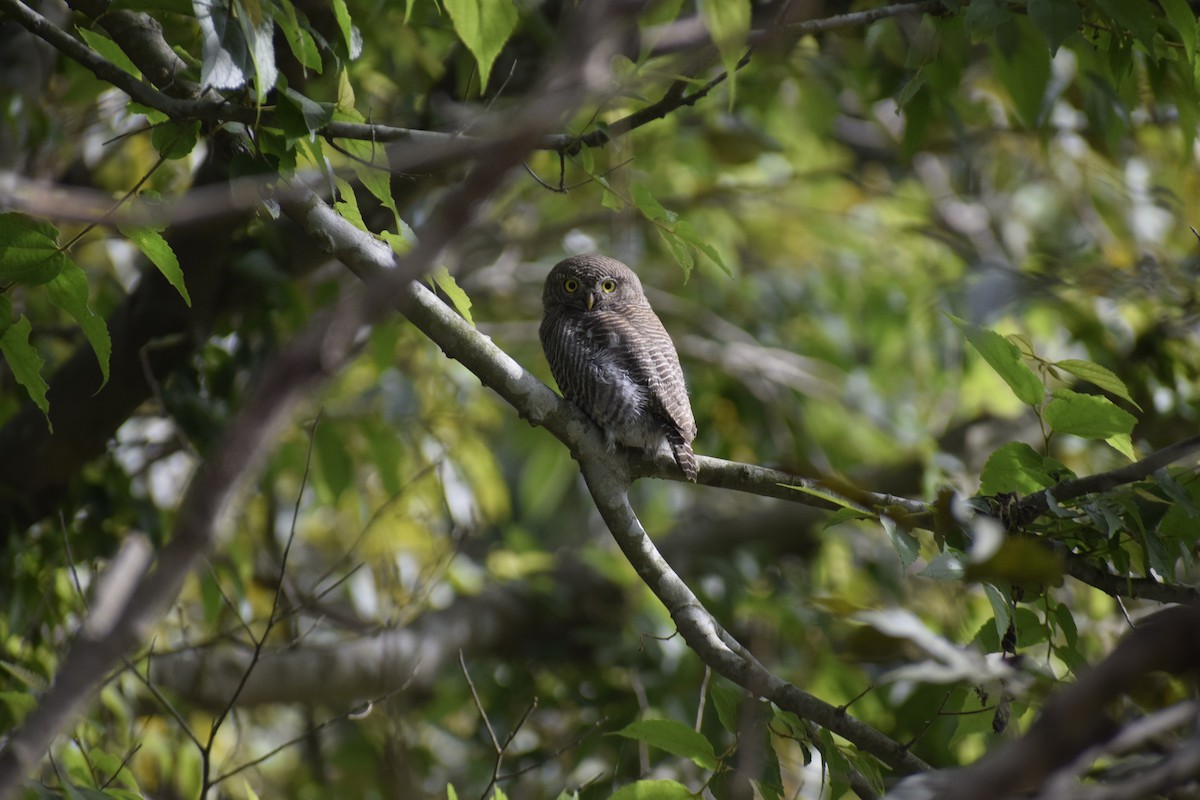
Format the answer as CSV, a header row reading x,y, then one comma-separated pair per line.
x,y
684,456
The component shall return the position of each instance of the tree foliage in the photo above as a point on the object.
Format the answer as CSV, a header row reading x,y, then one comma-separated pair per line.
x,y
289,511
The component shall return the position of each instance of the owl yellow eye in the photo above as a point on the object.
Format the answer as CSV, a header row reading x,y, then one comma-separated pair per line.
x,y
609,285
570,285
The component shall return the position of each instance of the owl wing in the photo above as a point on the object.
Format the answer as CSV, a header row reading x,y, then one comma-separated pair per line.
x,y
656,366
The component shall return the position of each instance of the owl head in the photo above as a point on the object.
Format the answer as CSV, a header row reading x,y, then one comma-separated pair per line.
x,y
590,283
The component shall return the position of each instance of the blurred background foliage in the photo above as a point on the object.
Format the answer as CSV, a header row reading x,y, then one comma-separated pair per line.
x,y
1027,173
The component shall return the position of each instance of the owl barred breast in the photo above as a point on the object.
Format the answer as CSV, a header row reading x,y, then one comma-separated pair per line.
x,y
612,357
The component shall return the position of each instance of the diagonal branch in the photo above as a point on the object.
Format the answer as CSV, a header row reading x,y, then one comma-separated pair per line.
x,y
302,367
608,475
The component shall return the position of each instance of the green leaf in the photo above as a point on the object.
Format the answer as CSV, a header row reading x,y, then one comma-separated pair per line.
x,y
689,234
1016,467
350,35
1057,20
1005,359
334,466
29,251
725,701
298,37
19,703
1087,415
1024,70
1135,16
679,250
1123,444
25,363
653,790
155,248
945,566
370,164
1001,609
110,50
983,17
294,107
1099,376
1183,20
458,298
484,26
907,546
347,204
728,23
674,737
175,140
1018,560
645,202
69,291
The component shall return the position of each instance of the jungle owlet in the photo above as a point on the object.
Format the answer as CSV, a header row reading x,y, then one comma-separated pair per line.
x,y
612,357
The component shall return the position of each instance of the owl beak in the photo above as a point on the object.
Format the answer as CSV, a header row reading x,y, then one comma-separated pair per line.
x,y
591,300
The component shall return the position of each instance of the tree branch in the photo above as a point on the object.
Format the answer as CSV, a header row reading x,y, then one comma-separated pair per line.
x,y
1075,718
1034,505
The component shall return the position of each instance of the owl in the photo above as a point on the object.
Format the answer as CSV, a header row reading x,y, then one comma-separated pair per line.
x,y
612,357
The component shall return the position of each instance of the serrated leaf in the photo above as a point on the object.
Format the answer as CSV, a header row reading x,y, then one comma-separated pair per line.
x,y
226,54
728,23
645,202
69,291
29,251
155,248
25,363
370,165
674,737
946,566
299,39
1015,467
110,50
26,676
347,204
458,298
175,140
1004,358
1099,376
689,234
653,790
484,26
1087,415
679,251
1057,20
